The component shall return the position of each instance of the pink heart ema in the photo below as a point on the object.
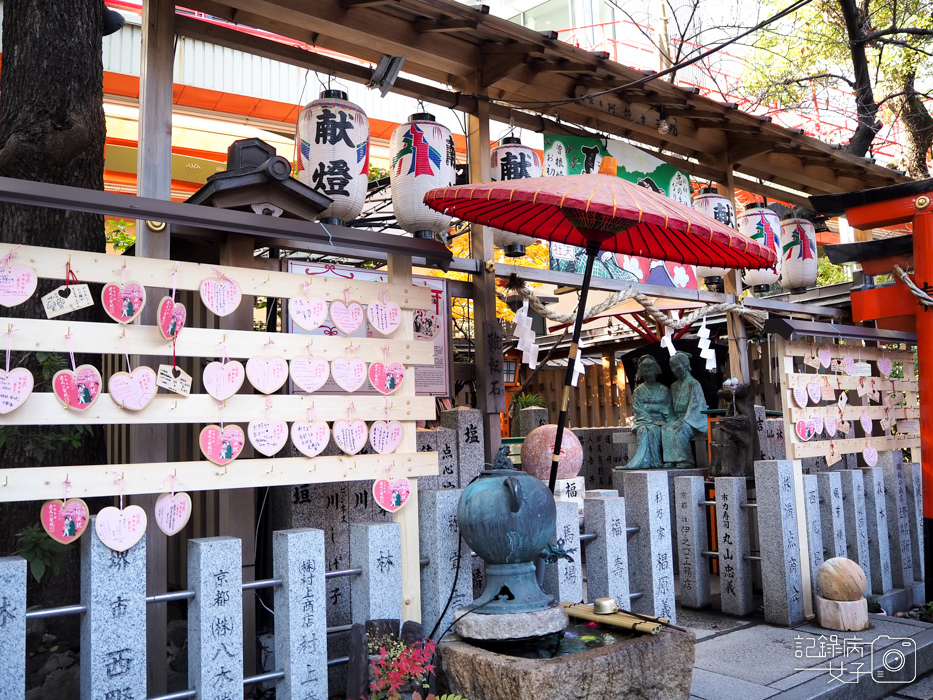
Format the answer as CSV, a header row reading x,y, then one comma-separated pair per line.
x,y
78,389
172,512
347,318
222,447
120,529
221,296
15,388
16,285
123,304
385,437
171,318
884,366
384,317
806,429
268,437
223,380
133,391
267,375
310,438
307,313
386,378
349,375
64,522
871,456
350,437
391,495
309,374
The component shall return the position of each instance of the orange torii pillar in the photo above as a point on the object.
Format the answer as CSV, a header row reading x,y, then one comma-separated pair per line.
x,y
886,206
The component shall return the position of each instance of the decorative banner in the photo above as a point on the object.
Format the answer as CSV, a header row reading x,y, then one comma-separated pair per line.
x,y
64,521
133,391
17,284
386,378
221,295
308,313
120,529
310,439
123,303
267,436
350,436
223,380
384,315
308,374
385,437
15,388
346,317
78,389
267,374
825,355
66,298
174,379
391,495
800,396
172,511
221,446
349,375
172,317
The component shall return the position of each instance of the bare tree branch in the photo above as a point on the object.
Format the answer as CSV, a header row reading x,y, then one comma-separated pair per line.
x,y
872,36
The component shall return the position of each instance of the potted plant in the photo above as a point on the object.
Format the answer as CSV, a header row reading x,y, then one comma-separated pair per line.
x,y
398,670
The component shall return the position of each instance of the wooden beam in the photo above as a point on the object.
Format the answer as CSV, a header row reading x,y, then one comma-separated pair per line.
x,y
445,25
562,66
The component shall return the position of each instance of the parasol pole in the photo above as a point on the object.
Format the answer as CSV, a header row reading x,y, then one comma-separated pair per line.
x,y
592,248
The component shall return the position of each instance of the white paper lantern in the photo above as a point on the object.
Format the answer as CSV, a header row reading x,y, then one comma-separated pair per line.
x,y
333,138
719,207
763,226
510,160
799,266
423,158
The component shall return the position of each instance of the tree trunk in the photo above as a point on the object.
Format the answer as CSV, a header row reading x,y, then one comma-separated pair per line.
x,y
51,130
918,130
866,108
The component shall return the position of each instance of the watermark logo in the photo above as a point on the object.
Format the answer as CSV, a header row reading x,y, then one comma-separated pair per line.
x,y
885,659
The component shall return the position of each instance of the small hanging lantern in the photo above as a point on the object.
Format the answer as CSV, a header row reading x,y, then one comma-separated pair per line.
x,y
333,138
763,226
719,207
423,158
799,266
510,160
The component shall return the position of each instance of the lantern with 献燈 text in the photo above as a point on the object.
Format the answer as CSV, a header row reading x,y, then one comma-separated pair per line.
x,y
799,264
719,207
762,225
510,160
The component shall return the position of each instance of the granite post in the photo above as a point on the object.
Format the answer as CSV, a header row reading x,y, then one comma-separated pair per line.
x,y
690,533
895,494
914,484
113,630
647,506
811,503
440,542
426,441
447,459
853,505
564,579
735,570
215,617
300,613
607,570
530,418
878,546
832,515
13,628
376,594
780,542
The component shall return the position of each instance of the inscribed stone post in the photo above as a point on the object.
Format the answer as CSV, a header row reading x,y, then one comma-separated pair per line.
x,y
13,628
598,493
300,613
564,580
811,502
771,439
447,459
531,418
914,482
647,506
426,441
878,546
853,501
895,493
215,617
468,426
440,542
832,515
780,542
735,570
690,533
607,570
113,630
376,594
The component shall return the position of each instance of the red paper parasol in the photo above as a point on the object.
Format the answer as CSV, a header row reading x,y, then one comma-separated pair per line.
x,y
600,212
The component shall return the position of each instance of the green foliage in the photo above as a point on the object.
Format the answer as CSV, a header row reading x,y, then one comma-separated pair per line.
x,y
827,273
118,234
525,400
54,441
377,173
40,550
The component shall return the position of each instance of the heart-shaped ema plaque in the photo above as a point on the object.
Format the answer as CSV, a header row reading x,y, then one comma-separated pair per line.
x,y
815,392
120,529
267,374
385,437
307,312
222,296
308,374
866,423
348,375
825,355
384,317
849,365
805,429
884,366
310,439
267,436
78,389
133,391
870,454
829,424
172,317
223,379
172,512
817,424
15,388
350,436
346,317
386,378
391,495
17,284
123,303
801,396
64,521
221,446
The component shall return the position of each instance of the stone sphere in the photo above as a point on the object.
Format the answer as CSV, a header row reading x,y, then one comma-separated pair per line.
x,y
538,449
841,579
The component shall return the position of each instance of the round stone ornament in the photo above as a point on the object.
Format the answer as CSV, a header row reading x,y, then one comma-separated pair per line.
x,y
841,579
538,449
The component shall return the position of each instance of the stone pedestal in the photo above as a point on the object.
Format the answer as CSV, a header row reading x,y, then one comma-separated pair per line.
x,y
467,424
842,615
510,626
607,566
376,594
564,580
13,625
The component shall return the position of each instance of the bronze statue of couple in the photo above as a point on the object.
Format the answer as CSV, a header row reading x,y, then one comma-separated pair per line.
x,y
666,419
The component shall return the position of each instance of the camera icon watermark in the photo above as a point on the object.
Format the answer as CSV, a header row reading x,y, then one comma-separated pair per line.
x,y
893,659
884,659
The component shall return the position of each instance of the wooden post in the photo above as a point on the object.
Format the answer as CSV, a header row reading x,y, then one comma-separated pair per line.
x,y
732,285
923,268
484,281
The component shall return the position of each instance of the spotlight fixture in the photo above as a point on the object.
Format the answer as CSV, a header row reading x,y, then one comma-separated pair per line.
x,y
386,72
663,126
